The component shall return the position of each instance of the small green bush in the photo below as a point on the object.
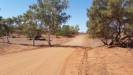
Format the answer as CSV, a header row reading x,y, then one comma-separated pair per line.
x,y
67,30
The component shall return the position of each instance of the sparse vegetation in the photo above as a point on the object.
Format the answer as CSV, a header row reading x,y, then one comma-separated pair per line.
x,y
67,30
40,41
43,16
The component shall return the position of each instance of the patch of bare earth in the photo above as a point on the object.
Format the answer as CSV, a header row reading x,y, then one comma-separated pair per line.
x,y
44,61
11,48
100,61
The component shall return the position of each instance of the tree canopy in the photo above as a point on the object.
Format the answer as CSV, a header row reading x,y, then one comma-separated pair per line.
x,y
51,13
112,21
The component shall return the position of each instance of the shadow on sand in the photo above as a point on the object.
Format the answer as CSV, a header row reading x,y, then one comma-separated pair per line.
x,y
36,47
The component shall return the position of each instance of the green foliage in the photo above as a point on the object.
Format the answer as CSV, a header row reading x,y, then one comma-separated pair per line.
x,y
2,30
111,20
33,32
6,26
51,13
30,26
67,30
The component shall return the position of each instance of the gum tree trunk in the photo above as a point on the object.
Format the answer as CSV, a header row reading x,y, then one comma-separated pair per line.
x,y
49,37
33,41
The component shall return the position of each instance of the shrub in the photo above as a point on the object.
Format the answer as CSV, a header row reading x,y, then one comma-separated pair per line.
x,y
67,30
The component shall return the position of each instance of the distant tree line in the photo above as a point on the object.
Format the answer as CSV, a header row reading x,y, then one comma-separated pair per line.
x,y
67,30
112,22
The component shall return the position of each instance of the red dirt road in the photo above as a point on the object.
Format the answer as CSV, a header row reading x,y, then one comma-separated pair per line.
x,y
69,61
47,61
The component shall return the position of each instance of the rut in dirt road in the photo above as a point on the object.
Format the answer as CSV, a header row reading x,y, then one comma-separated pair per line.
x,y
84,65
100,61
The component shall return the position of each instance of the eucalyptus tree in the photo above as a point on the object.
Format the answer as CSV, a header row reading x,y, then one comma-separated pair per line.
x,y
51,13
16,23
6,27
112,21
30,26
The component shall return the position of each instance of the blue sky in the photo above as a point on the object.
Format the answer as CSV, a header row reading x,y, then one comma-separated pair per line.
x,y
77,10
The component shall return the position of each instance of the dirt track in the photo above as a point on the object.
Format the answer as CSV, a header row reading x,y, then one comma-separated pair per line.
x,y
69,61
47,61
44,61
